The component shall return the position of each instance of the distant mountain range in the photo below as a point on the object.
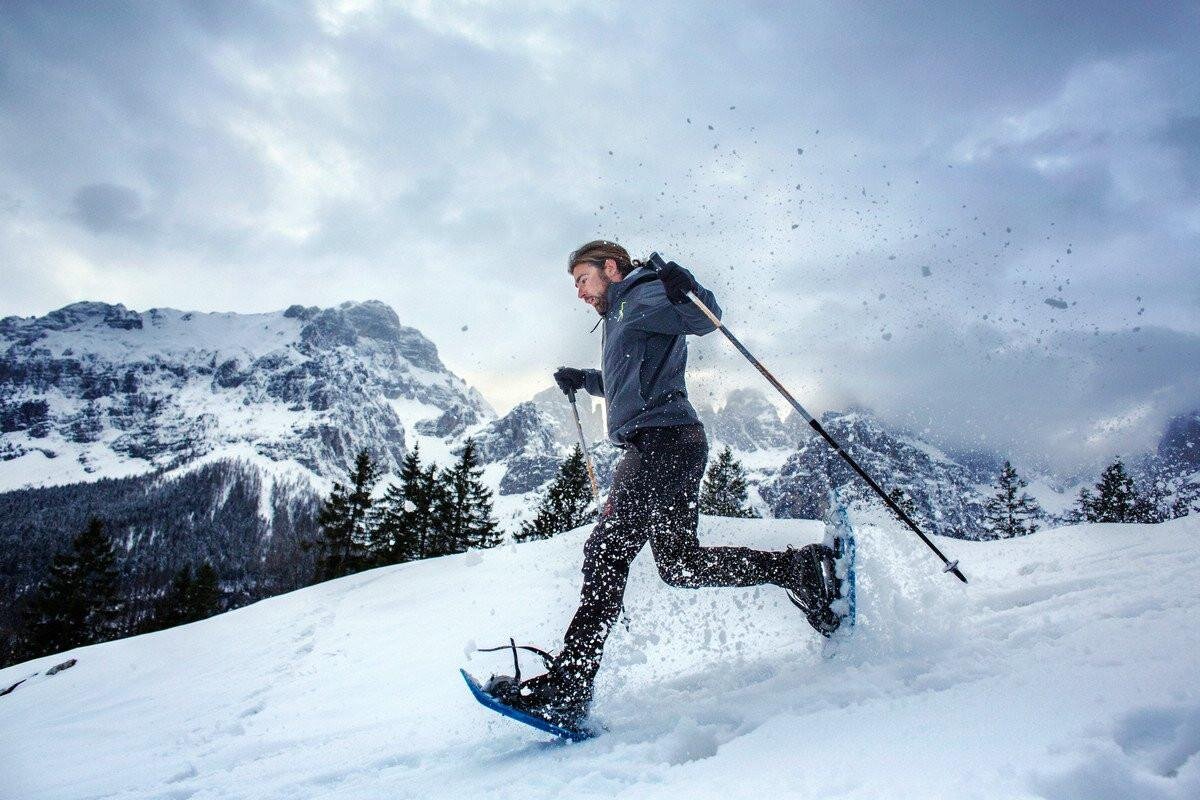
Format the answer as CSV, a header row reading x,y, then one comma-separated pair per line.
x,y
257,414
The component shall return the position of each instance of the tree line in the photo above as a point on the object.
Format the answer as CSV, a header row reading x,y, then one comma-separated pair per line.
x,y
1115,497
431,511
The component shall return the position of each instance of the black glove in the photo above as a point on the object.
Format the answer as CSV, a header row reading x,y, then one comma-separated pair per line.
x,y
677,281
569,379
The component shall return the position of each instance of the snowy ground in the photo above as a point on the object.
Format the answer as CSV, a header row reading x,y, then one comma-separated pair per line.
x,y
1068,668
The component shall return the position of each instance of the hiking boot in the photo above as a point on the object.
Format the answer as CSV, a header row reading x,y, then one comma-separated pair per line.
x,y
813,586
547,697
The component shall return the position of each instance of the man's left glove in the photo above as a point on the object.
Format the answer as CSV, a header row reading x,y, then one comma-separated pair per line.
x,y
677,281
569,379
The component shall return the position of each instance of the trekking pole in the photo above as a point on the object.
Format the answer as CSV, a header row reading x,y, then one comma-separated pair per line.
x,y
656,262
587,456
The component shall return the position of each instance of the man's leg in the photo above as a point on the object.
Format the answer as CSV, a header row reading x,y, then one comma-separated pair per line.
x,y
610,549
681,561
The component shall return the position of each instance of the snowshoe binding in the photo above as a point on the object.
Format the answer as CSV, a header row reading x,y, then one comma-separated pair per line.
x,y
544,702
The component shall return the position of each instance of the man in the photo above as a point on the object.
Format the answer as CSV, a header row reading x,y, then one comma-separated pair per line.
x,y
655,489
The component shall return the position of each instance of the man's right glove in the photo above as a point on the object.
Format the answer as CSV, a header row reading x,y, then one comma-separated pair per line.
x,y
569,379
677,281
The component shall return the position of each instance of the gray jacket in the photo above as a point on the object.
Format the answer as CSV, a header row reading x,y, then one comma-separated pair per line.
x,y
644,355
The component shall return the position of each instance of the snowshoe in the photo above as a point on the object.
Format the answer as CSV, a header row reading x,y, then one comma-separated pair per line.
x,y
542,702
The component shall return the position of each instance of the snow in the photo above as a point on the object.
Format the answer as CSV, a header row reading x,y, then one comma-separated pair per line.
x,y
71,463
934,453
1065,669
1050,499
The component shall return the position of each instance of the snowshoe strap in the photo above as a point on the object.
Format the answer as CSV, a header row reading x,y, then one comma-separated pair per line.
x,y
546,657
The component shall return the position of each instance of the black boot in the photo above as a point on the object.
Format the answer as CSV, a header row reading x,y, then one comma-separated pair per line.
x,y
549,696
813,586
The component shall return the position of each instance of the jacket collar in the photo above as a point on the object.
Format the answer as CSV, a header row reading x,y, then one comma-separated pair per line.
x,y
616,290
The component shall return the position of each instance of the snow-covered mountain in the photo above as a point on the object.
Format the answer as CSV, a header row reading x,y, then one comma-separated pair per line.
x,y
96,390
1066,668
221,431
748,423
943,492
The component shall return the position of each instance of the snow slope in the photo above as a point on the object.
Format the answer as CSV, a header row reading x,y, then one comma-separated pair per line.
x,y
1066,669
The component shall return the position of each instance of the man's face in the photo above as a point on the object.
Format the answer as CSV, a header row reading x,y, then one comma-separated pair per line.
x,y
591,285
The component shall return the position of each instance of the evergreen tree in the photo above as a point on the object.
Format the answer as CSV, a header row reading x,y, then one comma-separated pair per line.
x,y
78,601
169,609
567,504
1011,511
1116,498
463,512
723,493
346,543
404,519
205,599
187,599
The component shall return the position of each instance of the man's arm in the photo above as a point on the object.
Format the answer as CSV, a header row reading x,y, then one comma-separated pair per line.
x,y
593,382
571,379
654,313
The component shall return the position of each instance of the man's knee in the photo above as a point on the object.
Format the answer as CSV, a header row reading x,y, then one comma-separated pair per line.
x,y
678,573
605,553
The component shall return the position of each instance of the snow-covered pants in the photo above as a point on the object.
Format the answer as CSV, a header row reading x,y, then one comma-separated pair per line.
x,y
655,498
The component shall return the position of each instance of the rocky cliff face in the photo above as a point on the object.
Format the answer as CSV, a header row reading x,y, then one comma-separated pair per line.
x,y
947,499
749,423
107,391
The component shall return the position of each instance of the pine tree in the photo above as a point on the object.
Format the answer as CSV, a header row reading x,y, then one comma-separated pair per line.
x,y
78,603
1116,498
1011,511
463,513
205,598
346,543
404,518
567,504
170,608
187,599
723,493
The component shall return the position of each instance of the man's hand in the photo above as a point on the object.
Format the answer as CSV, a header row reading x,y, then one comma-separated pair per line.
x,y
677,281
569,379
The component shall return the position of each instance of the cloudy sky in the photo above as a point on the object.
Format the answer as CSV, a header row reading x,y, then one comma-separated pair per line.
x,y
982,221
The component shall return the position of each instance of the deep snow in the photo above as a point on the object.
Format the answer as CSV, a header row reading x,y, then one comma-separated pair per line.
x,y
1068,668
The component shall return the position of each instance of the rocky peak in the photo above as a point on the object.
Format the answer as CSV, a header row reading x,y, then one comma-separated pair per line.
x,y
112,389
944,493
748,422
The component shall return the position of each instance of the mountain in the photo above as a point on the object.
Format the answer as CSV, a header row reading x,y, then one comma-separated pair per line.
x,y
946,497
95,390
531,441
204,436
1065,669
749,423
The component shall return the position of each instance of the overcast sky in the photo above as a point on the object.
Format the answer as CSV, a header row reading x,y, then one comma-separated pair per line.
x,y
981,221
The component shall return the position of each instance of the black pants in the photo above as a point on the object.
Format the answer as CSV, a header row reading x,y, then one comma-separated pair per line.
x,y
655,498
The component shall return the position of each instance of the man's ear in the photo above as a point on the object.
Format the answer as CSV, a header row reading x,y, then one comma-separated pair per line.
x,y
611,272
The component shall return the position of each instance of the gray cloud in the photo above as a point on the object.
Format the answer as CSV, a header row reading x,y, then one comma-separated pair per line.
x,y
445,161
109,208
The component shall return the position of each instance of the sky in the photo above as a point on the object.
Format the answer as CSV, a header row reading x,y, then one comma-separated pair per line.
x,y
981,221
